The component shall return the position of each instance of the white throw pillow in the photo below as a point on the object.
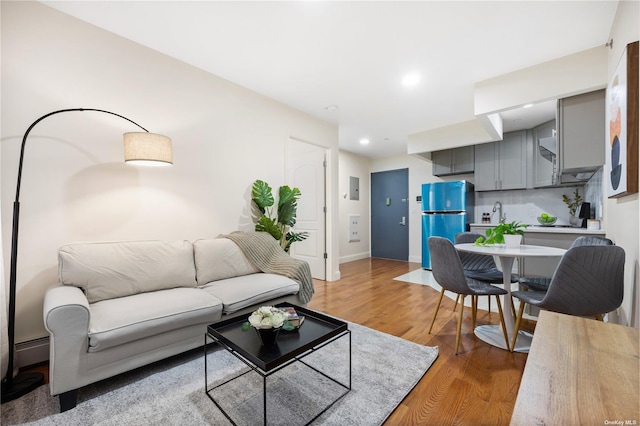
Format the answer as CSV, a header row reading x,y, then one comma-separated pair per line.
x,y
220,258
109,270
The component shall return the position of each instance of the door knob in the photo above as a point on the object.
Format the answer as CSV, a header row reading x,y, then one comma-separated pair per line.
x,y
403,223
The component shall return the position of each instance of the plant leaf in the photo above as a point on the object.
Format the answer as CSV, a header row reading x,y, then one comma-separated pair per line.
x,y
269,225
292,237
496,235
279,225
261,195
246,326
288,205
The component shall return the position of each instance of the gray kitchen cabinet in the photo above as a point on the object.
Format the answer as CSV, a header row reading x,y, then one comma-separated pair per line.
x,y
486,172
544,266
543,162
453,161
502,165
581,132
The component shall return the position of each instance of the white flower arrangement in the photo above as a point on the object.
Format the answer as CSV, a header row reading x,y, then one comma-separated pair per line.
x,y
267,317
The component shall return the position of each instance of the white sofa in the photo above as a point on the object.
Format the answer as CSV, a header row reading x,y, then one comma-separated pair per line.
x,y
122,305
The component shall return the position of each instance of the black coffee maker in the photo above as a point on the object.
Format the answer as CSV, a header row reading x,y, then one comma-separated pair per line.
x,y
584,214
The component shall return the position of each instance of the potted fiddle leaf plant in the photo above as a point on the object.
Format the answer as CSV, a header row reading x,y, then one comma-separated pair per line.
x,y
279,223
503,233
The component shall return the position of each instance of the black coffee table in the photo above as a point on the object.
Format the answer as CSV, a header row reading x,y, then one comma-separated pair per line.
x,y
316,331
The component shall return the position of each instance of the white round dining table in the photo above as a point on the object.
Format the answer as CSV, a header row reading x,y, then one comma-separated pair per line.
x,y
492,334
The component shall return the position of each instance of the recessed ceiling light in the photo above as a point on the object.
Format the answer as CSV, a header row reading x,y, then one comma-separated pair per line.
x,y
410,80
331,107
364,141
527,106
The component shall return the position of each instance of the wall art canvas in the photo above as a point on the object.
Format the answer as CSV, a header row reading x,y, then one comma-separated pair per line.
x,y
622,126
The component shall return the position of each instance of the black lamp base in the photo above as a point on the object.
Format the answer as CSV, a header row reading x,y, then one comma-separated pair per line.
x,y
22,385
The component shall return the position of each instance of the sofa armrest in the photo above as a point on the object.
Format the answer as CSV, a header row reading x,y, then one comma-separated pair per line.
x,y
64,307
66,316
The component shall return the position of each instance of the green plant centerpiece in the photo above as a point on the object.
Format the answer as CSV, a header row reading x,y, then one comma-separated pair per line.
x,y
278,226
496,235
574,203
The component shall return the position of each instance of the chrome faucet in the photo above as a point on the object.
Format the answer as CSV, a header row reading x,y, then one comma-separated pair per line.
x,y
498,206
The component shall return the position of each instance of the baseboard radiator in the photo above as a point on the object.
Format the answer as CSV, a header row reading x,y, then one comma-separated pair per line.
x,y
32,352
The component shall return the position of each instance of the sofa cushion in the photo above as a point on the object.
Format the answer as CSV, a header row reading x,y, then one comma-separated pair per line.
x,y
125,319
108,270
220,258
239,292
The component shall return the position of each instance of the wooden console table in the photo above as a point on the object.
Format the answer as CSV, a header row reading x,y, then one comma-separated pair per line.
x,y
580,372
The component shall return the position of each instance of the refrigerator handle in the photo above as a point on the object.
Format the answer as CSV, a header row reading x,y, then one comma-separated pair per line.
x,y
403,223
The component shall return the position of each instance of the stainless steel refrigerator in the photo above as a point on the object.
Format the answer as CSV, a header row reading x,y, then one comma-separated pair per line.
x,y
447,208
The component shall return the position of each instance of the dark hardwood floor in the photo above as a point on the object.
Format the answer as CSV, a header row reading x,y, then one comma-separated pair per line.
x,y
476,387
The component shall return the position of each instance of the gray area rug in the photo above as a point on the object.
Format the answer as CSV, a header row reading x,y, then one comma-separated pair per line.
x,y
171,392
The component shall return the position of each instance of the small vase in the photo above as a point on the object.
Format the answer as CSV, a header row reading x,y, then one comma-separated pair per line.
x,y
575,221
512,240
268,336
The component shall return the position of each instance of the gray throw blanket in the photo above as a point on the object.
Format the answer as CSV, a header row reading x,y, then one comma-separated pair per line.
x,y
266,254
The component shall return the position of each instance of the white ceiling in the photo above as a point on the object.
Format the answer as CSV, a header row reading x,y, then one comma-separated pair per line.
x,y
354,54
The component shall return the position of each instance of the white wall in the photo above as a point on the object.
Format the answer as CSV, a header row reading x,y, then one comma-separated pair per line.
x,y
580,72
621,214
356,166
75,186
4,296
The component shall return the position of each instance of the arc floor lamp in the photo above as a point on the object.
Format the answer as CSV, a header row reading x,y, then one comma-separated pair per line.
x,y
140,148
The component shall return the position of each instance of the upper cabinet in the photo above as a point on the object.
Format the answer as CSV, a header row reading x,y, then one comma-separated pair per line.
x,y
543,161
563,151
581,132
502,165
575,151
486,174
453,161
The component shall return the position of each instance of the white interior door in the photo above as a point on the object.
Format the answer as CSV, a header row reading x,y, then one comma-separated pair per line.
x,y
305,169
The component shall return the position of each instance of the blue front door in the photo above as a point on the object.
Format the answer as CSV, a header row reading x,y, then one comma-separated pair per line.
x,y
390,214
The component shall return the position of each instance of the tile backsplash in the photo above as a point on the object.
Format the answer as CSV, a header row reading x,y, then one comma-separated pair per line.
x,y
527,204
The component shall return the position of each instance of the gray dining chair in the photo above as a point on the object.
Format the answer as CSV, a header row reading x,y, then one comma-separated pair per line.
x,y
448,273
542,283
480,267
589,281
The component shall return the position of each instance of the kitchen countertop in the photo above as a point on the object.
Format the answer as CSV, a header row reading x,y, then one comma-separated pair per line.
x,y
549,229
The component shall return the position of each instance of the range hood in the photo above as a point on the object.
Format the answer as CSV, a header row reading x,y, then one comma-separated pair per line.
x,y
548,147
569,178
549,150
